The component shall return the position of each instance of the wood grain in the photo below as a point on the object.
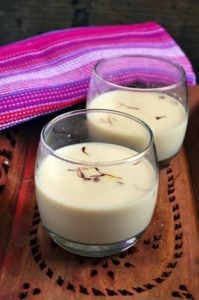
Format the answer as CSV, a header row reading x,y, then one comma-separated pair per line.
x,y
192,141
164,264
20,18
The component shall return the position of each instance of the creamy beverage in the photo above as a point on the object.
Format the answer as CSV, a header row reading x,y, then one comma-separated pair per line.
x,y
94,201
164,114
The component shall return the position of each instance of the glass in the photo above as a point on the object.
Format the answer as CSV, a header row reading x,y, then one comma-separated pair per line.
x,y
96,182
151,88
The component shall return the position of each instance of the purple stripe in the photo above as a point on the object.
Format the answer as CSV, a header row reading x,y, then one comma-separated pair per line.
x,y
40,96
44,89
71,56
44,53
55,52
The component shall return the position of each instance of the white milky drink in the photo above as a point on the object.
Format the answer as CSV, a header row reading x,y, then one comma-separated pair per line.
x,y
164,114
95,204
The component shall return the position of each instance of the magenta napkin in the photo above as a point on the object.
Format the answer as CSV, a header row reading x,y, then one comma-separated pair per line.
x,y
51,71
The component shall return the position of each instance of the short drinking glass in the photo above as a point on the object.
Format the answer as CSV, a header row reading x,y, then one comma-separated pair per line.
x,y
96,180
151,88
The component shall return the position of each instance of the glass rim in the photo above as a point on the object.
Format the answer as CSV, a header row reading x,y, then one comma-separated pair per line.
x,y
133,158
137,89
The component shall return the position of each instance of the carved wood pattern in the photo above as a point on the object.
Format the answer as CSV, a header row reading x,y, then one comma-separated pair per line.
x,y
6,151
162,265
125,261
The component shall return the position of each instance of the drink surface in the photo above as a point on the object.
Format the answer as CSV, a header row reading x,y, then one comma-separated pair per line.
x,y
93,203
164,114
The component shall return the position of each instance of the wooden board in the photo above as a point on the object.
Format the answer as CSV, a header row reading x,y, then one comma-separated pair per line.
x,y
164,264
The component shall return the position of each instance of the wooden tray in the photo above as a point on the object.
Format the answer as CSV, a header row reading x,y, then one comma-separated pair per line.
x,y
163,265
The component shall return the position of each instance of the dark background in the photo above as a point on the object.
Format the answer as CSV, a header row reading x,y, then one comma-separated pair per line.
x,y
23,18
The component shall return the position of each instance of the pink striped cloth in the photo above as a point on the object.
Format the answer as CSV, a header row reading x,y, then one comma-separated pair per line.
x,y
51,71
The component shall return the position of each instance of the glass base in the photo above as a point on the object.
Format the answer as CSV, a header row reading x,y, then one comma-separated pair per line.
x,y
163,164
93,250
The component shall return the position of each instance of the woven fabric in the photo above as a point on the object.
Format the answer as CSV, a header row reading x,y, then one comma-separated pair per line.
x,y
51,71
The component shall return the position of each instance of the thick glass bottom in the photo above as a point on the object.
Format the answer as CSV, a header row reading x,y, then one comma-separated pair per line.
x,y
165,163
93,250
